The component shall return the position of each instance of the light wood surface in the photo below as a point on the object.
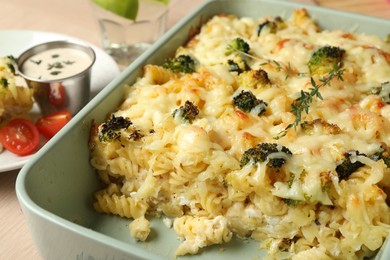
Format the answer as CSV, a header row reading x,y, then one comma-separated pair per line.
x,y
75,18
377,8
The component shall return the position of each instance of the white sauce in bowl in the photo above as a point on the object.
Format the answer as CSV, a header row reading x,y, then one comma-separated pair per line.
x,y
57,63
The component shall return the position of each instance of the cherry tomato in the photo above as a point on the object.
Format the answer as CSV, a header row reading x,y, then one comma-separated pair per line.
x,y
20,136
57,94
49,125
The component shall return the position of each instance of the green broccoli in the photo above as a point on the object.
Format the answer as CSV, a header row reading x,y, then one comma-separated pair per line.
x,y
309,127
274,26
3,82
111,129
11,63
188,112
247,101
182,63
267,23
135,135
237,45
349,165
325,59
383,91
254,79
234,67
262,152
382,154
239,66
291,202
262,77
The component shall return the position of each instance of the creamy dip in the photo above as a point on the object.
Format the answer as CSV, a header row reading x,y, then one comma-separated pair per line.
x,y
56,63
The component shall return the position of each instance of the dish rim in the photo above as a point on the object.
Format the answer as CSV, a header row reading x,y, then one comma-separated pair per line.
x,y
83,231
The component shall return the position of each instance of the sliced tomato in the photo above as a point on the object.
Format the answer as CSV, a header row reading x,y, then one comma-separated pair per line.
x,y
57,94
49,125
20,136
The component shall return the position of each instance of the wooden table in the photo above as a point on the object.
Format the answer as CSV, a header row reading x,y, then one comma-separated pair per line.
x,y
378,8
75,18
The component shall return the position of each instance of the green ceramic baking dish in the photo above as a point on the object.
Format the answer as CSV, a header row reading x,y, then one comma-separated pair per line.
x,y
55,187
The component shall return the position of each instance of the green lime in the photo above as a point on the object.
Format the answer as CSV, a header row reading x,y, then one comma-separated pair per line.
x,y
125,8
163,1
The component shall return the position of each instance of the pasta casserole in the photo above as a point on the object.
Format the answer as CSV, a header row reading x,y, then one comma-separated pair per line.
x,y
270,128
15,96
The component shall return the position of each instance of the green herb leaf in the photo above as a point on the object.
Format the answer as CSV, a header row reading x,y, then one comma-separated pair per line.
x,y
36,61
68,62
55,72
302,103
55,65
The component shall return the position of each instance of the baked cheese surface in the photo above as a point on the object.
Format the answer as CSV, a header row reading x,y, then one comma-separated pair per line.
x,y
256,139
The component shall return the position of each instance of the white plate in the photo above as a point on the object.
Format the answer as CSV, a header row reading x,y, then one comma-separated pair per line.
x,y
14,42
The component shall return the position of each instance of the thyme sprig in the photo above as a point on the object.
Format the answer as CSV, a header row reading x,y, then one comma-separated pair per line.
x,y
241,47
287,69
302,103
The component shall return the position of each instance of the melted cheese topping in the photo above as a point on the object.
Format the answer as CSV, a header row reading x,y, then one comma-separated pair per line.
x,y
16,99
190,171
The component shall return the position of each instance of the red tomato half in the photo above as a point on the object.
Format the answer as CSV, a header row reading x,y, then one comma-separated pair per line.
x,y
20,136
49,125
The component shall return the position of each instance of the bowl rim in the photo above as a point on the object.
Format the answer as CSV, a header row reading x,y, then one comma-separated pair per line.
x,y
26,54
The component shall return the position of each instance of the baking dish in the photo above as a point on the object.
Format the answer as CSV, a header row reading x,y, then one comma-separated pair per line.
x,y
55,188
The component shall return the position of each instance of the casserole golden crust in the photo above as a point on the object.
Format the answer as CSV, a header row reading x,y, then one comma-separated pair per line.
x,y
15,96
304,170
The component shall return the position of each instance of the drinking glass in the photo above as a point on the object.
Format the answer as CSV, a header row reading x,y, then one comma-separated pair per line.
x,y
126,39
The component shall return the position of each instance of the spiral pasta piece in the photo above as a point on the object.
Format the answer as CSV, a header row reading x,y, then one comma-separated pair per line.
x,y
120,205
199,232
253,141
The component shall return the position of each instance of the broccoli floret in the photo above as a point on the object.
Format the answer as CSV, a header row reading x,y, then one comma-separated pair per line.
x,y
325,60
263,25
274,26
382,154
309,127
3,82
135,135
247,101
111,130
383,91
349,165
262,77
188,112
182,63
234,67
291,202
238,66
261,153
237,45
11,63
254,79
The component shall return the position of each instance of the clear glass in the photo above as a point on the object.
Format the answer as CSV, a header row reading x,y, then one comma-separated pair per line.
x,y
125,39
